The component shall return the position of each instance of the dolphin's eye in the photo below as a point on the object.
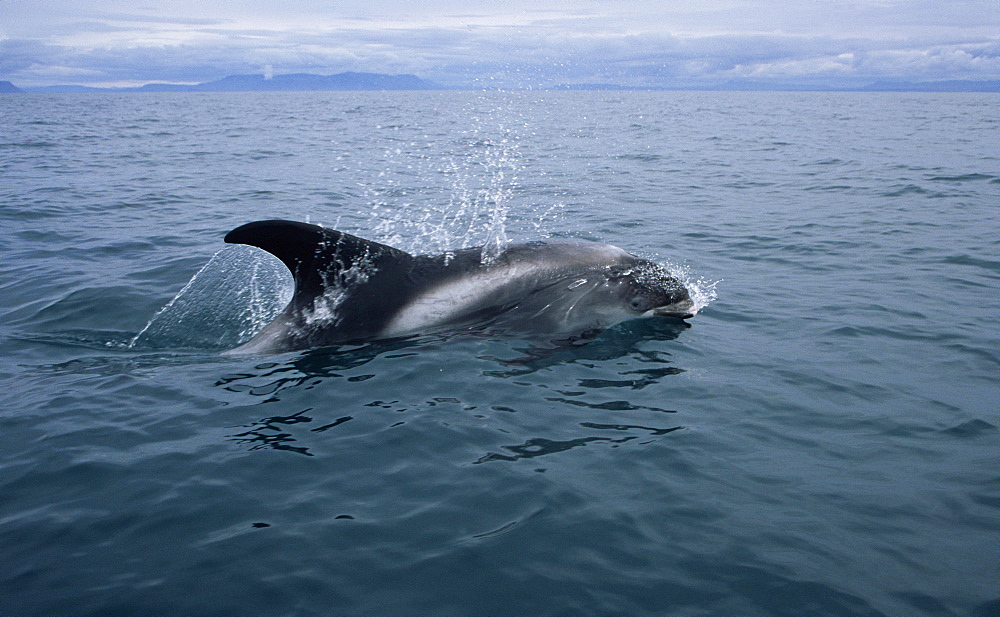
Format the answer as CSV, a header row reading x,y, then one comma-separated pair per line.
x,y
636,304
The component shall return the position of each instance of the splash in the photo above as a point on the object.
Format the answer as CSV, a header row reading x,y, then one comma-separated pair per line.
x,y
701,290
233,296
479,183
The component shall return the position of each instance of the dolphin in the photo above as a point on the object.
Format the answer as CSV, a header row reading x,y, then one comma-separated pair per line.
x,y
351,290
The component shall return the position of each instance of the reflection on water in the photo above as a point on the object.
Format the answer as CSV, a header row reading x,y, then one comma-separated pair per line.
x,y
621,341
608,405
270,432
539,446
419,382
647,377
304,369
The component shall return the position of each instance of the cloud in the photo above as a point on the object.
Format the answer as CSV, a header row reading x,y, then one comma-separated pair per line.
x,y
518,44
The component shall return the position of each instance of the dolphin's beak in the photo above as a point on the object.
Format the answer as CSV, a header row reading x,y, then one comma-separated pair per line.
x,y
678,310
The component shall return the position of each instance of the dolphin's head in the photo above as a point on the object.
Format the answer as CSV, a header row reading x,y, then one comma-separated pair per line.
x,y
648,289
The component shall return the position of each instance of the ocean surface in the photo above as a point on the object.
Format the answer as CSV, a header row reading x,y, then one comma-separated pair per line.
x,y
823,439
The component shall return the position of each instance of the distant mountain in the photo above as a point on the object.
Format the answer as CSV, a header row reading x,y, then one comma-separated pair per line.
x,y
6,86
305,81
935,86
279,83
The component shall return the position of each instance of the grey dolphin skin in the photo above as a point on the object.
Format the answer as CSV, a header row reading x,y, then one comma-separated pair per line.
x,y
348,289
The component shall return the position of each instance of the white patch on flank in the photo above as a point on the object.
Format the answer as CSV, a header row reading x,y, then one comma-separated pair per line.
x,y
444,303
509,280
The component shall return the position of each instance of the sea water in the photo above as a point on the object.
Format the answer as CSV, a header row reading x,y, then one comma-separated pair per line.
x,y
822,440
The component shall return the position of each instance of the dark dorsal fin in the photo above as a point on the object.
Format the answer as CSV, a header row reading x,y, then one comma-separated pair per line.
x,y
316,256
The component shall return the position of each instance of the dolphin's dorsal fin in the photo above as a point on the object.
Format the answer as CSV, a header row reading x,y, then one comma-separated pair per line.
x,y
317,256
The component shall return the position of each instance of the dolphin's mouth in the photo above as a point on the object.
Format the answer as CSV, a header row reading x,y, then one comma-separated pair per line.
x,y
679,310
675,314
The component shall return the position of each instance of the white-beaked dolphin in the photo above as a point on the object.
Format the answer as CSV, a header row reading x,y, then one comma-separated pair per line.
x,y
348,289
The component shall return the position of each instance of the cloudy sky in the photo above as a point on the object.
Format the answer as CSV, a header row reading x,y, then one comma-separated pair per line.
x,y
513,43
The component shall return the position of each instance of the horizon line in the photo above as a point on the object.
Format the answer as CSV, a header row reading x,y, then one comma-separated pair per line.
x,y
363,81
